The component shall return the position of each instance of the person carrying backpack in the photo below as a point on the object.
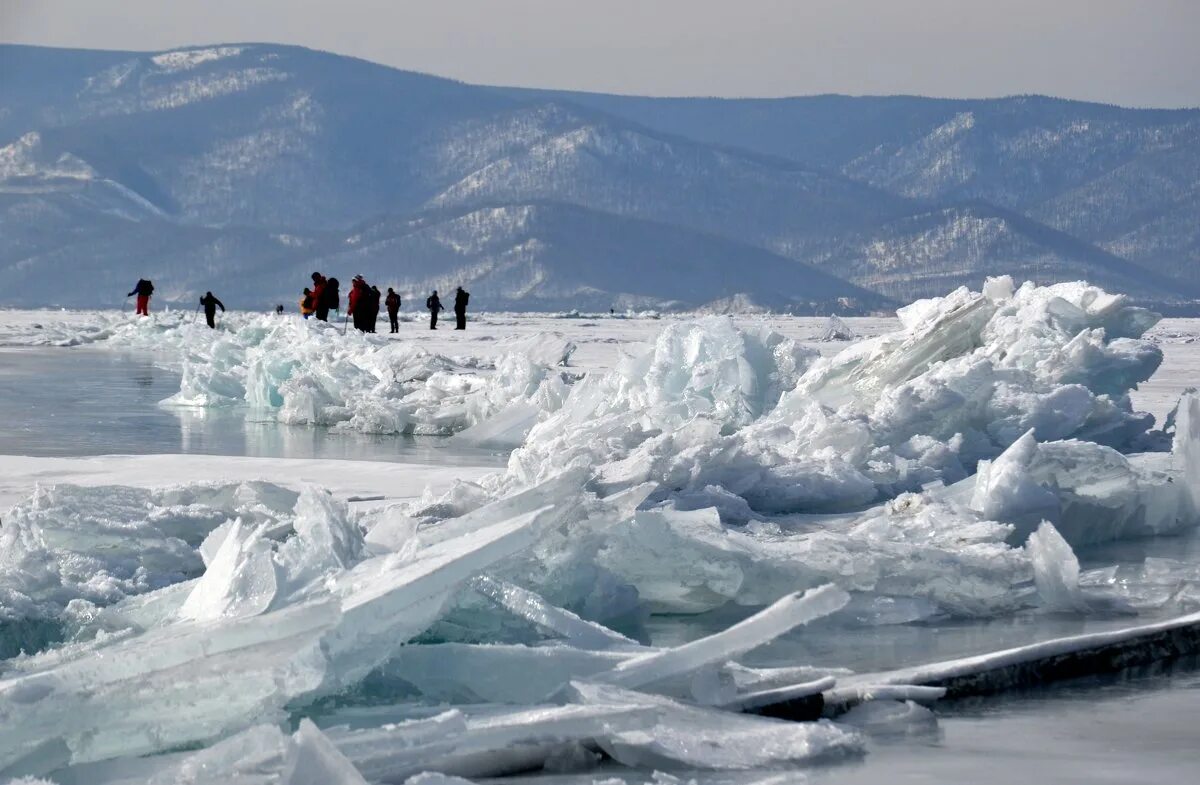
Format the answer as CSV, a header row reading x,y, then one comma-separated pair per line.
x,y
143,289
392,301
373,308
211,304
317,297
460,308
331,299
434,304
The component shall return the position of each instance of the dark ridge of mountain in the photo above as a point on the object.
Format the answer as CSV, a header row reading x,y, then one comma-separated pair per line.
x,y
896,142
559,156
1147,211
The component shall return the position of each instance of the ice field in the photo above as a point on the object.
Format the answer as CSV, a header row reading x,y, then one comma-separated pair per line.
x,y
588,547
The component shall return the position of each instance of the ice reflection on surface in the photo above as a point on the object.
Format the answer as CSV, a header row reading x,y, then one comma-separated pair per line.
x,y
78,402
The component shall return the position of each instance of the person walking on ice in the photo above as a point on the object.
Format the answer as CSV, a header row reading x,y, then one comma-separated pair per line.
x,y
211,304
460,308
392,301
143,290
434,304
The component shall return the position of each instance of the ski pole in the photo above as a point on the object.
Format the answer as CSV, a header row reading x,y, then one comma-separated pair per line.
x,y
195,314
125,304
345,322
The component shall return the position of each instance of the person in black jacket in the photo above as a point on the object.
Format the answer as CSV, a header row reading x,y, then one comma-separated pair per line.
x,y
331,299
460,308
143,290
372,308
434,304
211,304
392,301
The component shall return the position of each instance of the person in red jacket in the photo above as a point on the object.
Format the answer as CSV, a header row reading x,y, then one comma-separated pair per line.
x,y
318,297
143,290
358,303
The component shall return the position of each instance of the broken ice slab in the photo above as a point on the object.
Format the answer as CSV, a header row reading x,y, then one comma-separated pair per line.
x,y
935,330
103,544
260,755
386,600
578,632
506,428
1091,493
1186,452
688,562
163,688
785,614
239,581
692,737
494,744
233,672
499,673
502,673
1055,570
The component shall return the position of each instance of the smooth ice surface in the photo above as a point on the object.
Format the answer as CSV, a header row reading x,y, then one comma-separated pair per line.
x,y
1136,729
110,406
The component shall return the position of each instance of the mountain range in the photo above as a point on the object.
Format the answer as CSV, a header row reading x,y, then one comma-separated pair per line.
x,y
242,168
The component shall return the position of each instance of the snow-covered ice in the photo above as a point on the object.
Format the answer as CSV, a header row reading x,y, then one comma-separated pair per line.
x,y
197,619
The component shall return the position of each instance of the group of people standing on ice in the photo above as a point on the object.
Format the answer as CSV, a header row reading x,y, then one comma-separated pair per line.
x,y
434,304
364,300
363,303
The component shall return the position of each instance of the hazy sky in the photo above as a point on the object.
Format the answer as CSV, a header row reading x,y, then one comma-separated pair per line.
x,y
1133,52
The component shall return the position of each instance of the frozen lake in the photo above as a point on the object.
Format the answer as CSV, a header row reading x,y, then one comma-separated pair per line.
x,y
85,402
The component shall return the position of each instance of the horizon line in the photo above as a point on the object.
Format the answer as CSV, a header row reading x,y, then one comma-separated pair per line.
x,y
585,91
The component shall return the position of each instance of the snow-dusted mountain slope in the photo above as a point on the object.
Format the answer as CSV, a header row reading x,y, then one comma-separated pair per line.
x,y
1124,179
926,253
233,166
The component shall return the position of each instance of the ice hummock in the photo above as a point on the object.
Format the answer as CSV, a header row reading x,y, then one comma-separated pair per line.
x,y
312,373
948,468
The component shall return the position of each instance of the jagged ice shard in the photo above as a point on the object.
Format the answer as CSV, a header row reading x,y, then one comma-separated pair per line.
x,y
949,468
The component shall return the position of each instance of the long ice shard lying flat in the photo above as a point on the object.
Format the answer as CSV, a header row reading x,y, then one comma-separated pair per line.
x,y
686,736
498,743
1038,663
766,625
